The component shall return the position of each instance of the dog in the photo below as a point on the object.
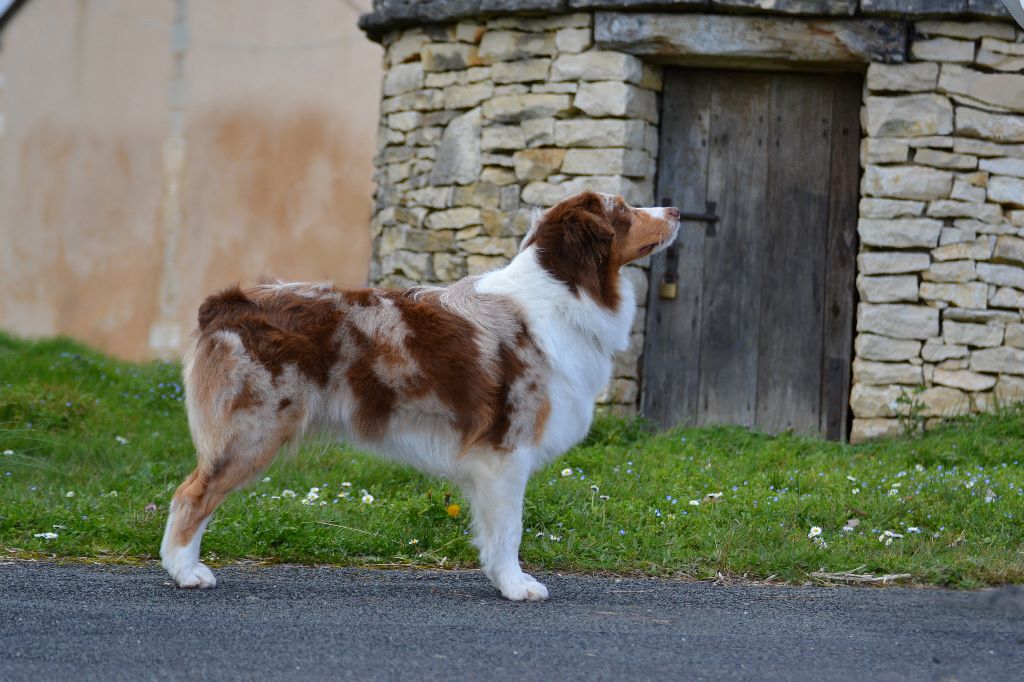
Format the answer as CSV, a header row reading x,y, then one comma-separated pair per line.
x,y
481,382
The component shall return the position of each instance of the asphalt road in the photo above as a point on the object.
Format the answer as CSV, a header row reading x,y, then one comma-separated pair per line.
x,y
85,622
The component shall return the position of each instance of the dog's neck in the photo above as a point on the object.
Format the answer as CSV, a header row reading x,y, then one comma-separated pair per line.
x,y
606,330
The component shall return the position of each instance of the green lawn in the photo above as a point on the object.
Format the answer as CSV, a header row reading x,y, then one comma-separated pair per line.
x,y
92,449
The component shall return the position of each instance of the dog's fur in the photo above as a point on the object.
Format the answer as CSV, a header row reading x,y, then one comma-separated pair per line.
x,y
481,382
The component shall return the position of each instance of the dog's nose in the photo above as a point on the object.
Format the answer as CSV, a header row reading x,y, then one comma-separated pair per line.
x,y
672,212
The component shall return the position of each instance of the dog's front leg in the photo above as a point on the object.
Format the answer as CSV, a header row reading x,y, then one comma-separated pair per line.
x,y
495,484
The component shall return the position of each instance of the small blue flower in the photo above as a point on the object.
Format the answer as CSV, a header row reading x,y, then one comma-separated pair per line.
x,y
622,532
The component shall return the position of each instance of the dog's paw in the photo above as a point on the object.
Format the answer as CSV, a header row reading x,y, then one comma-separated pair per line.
x,y
197,575
523,588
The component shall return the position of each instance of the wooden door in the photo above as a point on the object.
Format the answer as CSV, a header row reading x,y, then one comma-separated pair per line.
x,y
761,330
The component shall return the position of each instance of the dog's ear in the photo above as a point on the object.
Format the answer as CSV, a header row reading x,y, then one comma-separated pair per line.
x,y
574,244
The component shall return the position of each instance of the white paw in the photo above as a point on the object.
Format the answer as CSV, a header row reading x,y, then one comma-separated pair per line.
x,y
197,575
523,588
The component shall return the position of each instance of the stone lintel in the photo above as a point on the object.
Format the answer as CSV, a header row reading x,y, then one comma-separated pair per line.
x,y
752,41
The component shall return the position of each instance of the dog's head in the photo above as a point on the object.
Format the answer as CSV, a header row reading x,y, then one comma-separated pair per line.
x,y
585,239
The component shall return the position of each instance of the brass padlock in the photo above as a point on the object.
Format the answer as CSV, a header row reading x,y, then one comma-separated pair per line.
x,y
668,290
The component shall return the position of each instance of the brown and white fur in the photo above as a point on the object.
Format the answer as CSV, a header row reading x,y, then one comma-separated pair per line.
x,y
481,382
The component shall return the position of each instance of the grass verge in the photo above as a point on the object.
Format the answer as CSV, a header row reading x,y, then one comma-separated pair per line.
x,y
92,449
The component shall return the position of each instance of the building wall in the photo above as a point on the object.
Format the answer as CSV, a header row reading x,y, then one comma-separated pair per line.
x,y
941,281
154,151
482,120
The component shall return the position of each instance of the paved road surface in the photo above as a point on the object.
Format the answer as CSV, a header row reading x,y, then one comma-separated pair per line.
x,y
82,622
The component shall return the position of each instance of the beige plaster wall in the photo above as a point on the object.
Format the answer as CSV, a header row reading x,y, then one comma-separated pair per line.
x,y
137,176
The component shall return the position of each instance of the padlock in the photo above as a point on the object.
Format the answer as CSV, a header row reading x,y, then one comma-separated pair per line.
x,y
668,290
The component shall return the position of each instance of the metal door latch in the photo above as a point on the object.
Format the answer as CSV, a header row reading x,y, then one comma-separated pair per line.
x,y
708,216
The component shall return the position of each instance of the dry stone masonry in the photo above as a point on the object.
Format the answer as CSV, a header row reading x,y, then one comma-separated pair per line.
x,y
941,264
493,108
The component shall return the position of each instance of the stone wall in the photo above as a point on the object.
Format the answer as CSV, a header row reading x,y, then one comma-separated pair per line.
x,y
941,264
483,120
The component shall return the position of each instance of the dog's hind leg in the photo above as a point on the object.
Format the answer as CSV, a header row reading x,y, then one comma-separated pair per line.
x,y
495,484
202,491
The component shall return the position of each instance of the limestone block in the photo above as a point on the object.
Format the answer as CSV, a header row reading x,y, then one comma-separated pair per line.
x,y
572,40
469,32
941,159
1000,317
403,78
1004,90
1006,190
936,351
1015,335
907,182
994,127
550,193
891,262
478,265
558,88
875,347
1006,297
606,162
413,239
407,47
521,107
1004,166
963,379
989,213
585,132
431,197
883,150
864,430
491,246
505,46
885,373
890,208
951,271
465,96
901,233
537,164
522,71
919,77
448,267
458,156
612,98
619,391
968,30
907,116
1009,389
405,120
943,401
412,265
968,295
887,289
597,65
511,89
502,137
477,194
450,56
977,335
1002,275
538,132
1002,360
943,50
965,191
453,219
874,401
979,249
898,321
1009,249
999,61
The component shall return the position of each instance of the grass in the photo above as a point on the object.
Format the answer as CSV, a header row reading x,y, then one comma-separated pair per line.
x,y
93,448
